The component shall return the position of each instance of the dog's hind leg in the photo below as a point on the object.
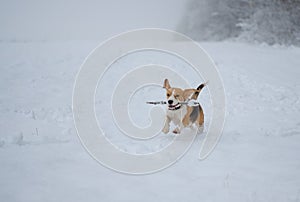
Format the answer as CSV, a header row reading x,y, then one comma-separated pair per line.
x,y
200,121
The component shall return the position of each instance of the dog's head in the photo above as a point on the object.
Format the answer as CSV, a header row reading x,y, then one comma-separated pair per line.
x,y
177,95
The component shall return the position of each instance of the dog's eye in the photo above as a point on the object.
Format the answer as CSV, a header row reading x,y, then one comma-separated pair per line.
x,y
168,94
176,96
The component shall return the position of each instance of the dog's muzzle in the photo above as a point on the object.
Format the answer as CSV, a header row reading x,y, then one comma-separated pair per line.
x,y
174,107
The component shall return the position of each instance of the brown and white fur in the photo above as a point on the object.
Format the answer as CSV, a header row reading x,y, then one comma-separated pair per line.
x,y
182,115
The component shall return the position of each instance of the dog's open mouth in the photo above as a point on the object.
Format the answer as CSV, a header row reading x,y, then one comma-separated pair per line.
x,y
174,107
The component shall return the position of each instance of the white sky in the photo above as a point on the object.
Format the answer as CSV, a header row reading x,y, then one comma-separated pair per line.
x,y
79,19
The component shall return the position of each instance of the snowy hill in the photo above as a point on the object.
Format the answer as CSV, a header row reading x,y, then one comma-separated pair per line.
x,y
256,159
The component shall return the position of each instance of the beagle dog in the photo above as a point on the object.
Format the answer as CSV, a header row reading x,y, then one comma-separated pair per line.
x,y
181,114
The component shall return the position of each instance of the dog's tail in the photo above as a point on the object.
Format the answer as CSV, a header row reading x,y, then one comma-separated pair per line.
x,y
198,90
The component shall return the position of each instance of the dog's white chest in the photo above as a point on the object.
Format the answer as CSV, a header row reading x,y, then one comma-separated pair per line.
x,y
176,116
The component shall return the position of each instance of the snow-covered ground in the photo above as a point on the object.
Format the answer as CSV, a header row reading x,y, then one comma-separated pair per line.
x,y
257,158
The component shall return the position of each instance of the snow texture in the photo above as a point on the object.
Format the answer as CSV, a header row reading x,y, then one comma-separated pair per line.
x,y
257,158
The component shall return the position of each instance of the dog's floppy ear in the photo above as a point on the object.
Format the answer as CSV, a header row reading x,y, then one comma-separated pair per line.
x,y
166,84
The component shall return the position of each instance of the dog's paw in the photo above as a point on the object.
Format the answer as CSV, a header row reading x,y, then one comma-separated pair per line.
x,y
200,129
176,131
165,130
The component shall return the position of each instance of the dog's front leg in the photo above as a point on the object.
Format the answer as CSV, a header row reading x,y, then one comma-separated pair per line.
x,y
167,125
178,129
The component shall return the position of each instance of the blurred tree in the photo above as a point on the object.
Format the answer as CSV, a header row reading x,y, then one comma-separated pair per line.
x,y
270,21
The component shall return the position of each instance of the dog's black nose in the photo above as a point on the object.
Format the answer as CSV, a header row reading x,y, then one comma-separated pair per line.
x,y
170,101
